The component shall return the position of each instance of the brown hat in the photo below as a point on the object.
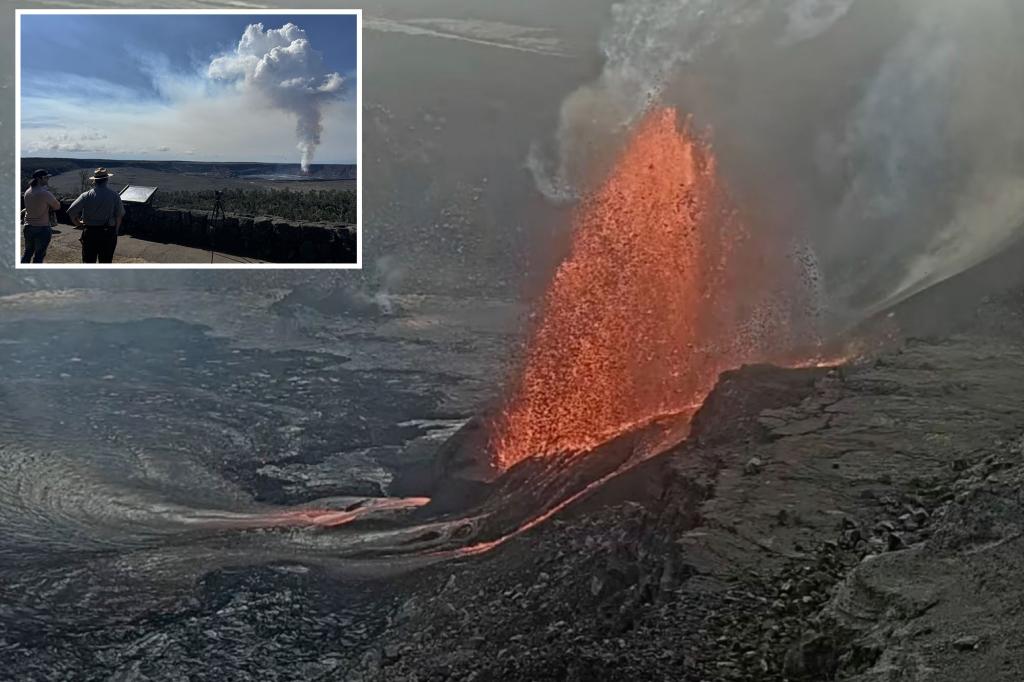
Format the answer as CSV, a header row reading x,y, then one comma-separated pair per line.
x,y
101,174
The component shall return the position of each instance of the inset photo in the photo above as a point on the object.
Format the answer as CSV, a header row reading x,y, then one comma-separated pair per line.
x,y
189,139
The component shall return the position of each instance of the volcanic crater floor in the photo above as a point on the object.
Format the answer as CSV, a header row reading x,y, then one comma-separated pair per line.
x,y
862,523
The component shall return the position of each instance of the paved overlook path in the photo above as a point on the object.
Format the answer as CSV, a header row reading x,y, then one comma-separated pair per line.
x,y
65,248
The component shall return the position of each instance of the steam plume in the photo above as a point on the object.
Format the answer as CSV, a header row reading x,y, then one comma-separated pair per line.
x,y
282,67
884,138
932,154
390,274
645,46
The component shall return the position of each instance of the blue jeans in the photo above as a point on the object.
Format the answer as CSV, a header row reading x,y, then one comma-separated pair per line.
x,y
37,240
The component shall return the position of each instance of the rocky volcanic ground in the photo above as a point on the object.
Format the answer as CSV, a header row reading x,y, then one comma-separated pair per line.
x,y
860,523
863,523
128,417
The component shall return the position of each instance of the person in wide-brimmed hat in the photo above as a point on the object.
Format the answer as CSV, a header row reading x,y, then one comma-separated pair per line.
x,y
38,230
100,212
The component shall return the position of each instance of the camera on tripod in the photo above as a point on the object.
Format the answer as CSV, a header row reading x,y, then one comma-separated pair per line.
x,y
218,205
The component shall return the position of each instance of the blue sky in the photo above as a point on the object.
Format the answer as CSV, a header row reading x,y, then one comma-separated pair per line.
x,y
138,86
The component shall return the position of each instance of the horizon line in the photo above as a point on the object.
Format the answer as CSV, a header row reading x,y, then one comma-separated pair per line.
x,y
248,9
102,158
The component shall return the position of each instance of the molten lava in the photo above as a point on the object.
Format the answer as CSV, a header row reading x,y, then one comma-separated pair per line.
x,y
663,289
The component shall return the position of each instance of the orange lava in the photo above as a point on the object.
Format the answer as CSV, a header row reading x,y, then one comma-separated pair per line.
x,y
310,517
331,518
651,305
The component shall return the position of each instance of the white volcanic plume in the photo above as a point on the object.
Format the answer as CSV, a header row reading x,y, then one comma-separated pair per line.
x,y
280,65
886,137
645,47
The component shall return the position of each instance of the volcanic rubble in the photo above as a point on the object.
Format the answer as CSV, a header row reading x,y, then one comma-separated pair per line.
x,y
860,523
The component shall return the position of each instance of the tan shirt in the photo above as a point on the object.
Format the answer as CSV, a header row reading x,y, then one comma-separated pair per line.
x,y
38,202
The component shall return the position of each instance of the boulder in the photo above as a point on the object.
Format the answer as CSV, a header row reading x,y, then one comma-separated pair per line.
x,y
308,253
245,233
200,229
229,231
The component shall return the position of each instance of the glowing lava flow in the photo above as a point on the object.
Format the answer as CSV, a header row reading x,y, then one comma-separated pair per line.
x,y
632,324
306,517
332,518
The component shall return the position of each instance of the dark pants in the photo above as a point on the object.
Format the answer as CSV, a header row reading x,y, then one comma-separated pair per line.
x,y
98,244
37,240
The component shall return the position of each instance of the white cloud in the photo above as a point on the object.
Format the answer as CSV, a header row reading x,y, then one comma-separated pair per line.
x,y
81,141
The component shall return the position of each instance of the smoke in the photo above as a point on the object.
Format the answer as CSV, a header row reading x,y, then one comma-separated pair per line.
x,y
645,46
282,67
932,155
807,19
888,138
390,274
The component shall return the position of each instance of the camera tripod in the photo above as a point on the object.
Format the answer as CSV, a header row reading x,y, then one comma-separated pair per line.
x,y
218,206
218,214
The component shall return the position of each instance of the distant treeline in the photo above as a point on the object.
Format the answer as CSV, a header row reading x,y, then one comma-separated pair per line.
x,y
319,205
333,171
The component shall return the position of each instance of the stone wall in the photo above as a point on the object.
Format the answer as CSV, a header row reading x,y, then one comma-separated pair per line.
x,y
264,238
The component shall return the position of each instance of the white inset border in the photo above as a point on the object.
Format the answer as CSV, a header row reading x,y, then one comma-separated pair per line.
x,y
358,13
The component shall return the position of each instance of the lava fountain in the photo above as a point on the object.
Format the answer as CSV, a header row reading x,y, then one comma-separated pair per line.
x,y
663,289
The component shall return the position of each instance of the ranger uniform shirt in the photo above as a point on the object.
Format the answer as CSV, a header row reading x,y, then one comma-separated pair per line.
x,y
99,206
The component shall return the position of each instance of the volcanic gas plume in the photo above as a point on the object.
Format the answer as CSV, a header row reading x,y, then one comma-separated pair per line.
x,y
663,289
280,66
